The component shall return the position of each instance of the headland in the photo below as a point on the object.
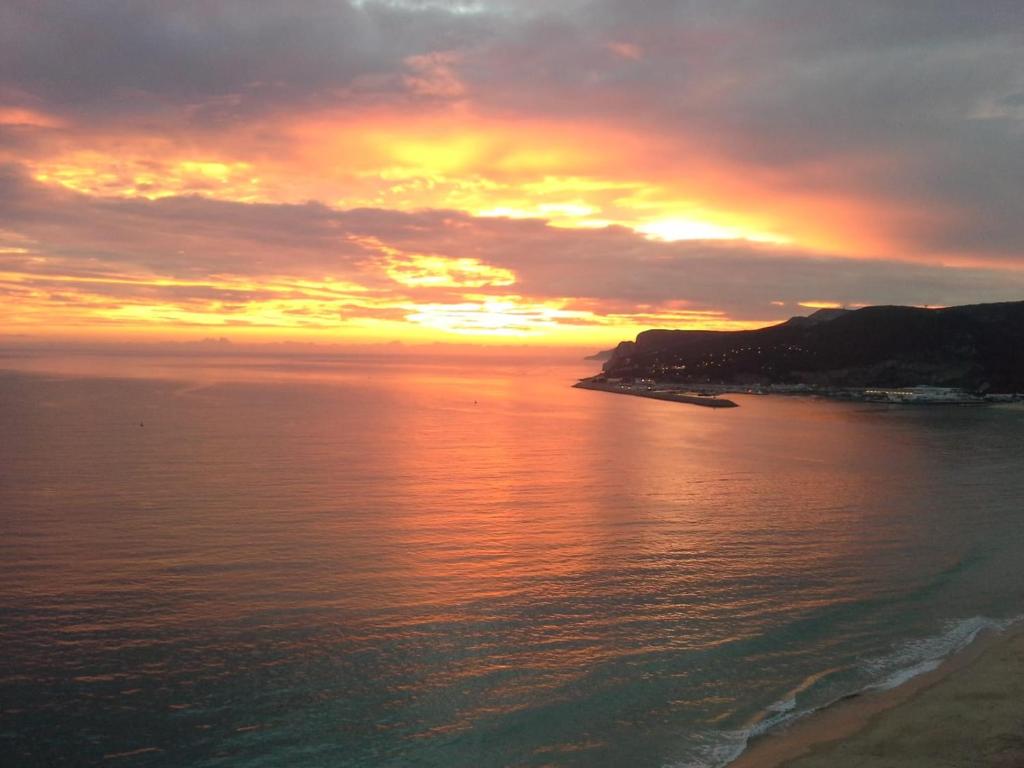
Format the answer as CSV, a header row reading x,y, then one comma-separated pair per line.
x,y
968,355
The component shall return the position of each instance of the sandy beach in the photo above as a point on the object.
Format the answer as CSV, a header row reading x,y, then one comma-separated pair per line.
x,y
967,713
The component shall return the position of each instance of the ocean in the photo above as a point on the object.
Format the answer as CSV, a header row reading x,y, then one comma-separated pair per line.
x,y
386,562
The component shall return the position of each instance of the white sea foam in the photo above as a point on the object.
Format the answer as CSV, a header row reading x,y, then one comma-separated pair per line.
x,y
918,657
783,705
726,746
914,658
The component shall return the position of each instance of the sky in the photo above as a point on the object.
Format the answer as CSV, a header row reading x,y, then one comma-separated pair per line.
x,y
500,171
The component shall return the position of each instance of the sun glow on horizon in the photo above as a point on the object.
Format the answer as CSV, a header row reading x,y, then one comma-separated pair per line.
x,y
674,229
547,174
413,175
571,175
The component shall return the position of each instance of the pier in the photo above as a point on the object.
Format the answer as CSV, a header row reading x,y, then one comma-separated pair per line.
x,y
641,390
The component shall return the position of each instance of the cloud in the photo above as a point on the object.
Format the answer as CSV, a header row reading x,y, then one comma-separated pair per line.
x,y
890,106
414,153
433,74
889,126
196,260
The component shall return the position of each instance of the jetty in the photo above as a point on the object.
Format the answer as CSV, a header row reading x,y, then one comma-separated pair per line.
x,y
648,390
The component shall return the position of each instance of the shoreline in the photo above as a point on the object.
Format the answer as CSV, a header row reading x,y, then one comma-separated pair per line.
x,y
921,395
896,727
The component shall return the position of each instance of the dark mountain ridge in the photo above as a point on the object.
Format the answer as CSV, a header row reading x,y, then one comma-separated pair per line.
x,y
978,347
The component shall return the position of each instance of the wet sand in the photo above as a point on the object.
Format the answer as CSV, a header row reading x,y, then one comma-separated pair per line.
x,y
968,713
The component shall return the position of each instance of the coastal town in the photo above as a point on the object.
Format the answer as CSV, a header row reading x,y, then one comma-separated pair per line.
x,y
711,395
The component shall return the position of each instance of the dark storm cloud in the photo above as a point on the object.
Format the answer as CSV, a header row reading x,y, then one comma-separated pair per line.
x,y
233,55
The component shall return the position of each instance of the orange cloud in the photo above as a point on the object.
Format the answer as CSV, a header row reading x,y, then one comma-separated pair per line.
x,y
433,74
451,157
23,116
417,270
73,262
626,50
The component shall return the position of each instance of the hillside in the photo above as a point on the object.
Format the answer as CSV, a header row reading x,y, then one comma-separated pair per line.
x,y
978,347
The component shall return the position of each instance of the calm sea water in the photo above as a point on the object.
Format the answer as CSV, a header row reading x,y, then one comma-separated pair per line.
x,y
370,563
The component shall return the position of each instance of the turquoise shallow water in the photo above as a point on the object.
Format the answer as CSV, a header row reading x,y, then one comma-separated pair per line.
x,y
368,563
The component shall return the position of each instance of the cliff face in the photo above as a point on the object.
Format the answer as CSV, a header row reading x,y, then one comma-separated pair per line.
x,y
978,347
623,352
